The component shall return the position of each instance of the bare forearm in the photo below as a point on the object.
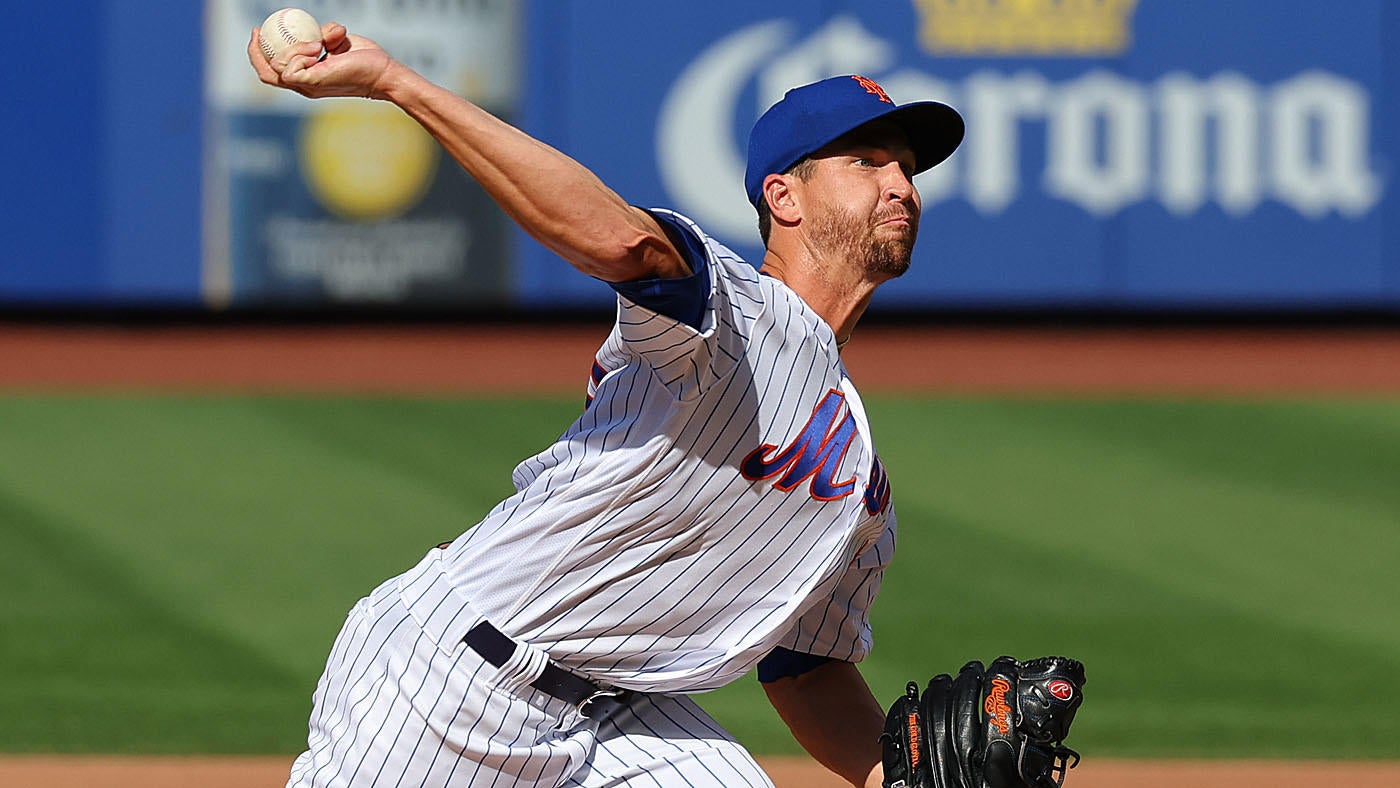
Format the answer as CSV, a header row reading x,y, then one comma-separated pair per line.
x,y
835,718
553,197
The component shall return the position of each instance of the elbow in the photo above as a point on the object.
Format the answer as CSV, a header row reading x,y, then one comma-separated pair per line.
x,y
621,259
627,255
611,242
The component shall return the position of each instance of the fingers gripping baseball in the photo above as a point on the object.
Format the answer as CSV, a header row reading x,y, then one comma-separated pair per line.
x,y
351,65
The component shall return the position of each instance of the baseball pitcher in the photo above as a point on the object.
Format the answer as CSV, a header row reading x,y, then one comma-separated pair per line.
x,y
718,506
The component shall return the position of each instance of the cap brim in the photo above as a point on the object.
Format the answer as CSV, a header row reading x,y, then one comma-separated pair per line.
x,y
934,130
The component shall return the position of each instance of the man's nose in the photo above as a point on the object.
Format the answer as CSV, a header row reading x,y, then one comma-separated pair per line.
x,y
898,185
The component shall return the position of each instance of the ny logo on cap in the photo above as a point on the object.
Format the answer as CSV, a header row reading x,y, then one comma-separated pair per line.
x,y
872,88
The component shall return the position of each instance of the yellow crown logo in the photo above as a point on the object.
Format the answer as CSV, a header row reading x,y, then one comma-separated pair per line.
x,y
1026,27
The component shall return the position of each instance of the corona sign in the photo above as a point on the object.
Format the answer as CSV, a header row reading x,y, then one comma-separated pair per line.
x,y
1119,153
1110,141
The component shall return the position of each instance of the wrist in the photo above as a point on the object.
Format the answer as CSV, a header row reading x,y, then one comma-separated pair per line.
x,y
395,83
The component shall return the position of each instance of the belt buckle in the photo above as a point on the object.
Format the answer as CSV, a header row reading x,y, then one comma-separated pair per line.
x,y
601,694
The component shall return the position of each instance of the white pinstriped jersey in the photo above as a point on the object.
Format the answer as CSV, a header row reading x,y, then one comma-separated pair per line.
x,y
719,496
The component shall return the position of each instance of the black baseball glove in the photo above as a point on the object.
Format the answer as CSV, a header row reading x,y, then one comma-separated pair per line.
x,y
1002,727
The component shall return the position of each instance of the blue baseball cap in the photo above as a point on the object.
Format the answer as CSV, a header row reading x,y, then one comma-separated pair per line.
x,y
810,117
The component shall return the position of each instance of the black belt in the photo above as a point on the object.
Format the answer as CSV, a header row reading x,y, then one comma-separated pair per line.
x,y
593,701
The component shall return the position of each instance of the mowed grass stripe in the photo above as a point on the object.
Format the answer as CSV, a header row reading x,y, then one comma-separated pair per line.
x,y
1191,542
1275,509
94,661
1223,567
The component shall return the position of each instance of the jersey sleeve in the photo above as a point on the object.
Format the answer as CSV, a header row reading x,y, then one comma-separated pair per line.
x,y
681,298
839,625
698,343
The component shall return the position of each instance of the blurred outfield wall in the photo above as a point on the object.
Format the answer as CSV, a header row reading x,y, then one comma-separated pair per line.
x,y
1177,154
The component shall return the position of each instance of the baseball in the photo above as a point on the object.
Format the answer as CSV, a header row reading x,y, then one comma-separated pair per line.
x,y
285,28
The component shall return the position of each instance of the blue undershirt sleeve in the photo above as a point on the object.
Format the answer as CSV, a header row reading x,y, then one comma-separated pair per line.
x,y
682,299
783,663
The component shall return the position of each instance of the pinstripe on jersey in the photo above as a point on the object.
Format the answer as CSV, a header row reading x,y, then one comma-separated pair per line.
x,y
637,551
718,497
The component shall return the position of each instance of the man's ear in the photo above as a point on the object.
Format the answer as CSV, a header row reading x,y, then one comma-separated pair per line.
x,y
783,202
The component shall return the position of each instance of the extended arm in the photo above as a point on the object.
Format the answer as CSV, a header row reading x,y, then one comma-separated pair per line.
x,y
833,715
554,198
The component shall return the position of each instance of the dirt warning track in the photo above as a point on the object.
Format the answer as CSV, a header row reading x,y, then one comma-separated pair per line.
x,y
507,360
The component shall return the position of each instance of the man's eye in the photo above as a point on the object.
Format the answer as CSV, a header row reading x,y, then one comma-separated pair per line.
x,y
865,162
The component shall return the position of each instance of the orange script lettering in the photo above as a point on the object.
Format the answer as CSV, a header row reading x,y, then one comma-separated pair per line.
x,y
996,706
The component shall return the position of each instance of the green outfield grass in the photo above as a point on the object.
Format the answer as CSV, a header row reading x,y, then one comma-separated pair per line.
x,y
172,570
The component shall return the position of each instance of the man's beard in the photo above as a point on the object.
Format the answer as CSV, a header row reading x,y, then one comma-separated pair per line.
x,y
876,250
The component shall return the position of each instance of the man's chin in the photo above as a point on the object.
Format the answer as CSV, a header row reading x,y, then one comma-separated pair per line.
x,y
892,262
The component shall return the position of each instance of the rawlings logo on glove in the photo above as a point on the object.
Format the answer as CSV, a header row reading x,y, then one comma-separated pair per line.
x,y
998,710
999,727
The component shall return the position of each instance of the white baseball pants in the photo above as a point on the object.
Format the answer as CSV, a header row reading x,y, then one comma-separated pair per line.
x,y
396,708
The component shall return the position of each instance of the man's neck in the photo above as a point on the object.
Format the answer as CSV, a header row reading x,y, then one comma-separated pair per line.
x,y
832,291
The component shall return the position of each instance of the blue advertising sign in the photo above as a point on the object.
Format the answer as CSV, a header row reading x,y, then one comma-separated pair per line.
x,y
1122,153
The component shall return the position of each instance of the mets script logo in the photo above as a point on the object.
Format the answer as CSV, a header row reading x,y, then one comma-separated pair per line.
x,y
816,454
873,88
877,492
